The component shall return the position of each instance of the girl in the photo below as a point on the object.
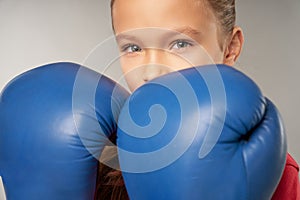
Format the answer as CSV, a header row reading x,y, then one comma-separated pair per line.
x,y
157,37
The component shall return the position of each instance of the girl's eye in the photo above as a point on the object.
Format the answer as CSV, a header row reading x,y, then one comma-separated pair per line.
x,y
180,44
132,48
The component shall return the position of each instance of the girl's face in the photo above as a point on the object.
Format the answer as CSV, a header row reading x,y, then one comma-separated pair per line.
x,y
156,37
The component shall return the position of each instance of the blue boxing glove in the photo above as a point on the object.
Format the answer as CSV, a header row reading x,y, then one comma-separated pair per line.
x,y
54,123
201,133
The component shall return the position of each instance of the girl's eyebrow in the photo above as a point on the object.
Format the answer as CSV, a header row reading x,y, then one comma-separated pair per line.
x,y
125,36
186,30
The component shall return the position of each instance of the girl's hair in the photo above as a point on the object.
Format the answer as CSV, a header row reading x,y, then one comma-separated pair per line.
x,y
223,10
110,184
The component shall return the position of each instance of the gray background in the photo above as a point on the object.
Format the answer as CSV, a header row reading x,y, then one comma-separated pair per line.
x,y
35,32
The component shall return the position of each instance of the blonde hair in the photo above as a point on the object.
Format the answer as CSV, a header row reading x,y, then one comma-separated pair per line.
x,y
224,11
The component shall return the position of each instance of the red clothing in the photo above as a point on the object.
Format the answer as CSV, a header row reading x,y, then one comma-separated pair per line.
x,y
289,186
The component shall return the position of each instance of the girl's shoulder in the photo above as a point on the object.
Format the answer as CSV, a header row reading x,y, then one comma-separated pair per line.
x,y
289,186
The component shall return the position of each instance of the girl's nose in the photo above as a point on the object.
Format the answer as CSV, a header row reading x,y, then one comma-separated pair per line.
x,y
154,65
152,71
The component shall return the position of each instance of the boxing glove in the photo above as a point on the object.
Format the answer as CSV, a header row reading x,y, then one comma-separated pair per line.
x,y
54,122
201,133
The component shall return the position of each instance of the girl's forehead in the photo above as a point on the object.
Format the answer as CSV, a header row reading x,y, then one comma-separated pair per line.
x,y
169,14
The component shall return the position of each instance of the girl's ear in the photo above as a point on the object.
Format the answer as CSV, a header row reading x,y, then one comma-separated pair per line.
x,y
234,46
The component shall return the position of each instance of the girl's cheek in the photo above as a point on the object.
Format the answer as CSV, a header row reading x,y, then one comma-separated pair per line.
x,y
126,65
132,73
192,57
129,62
133,80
